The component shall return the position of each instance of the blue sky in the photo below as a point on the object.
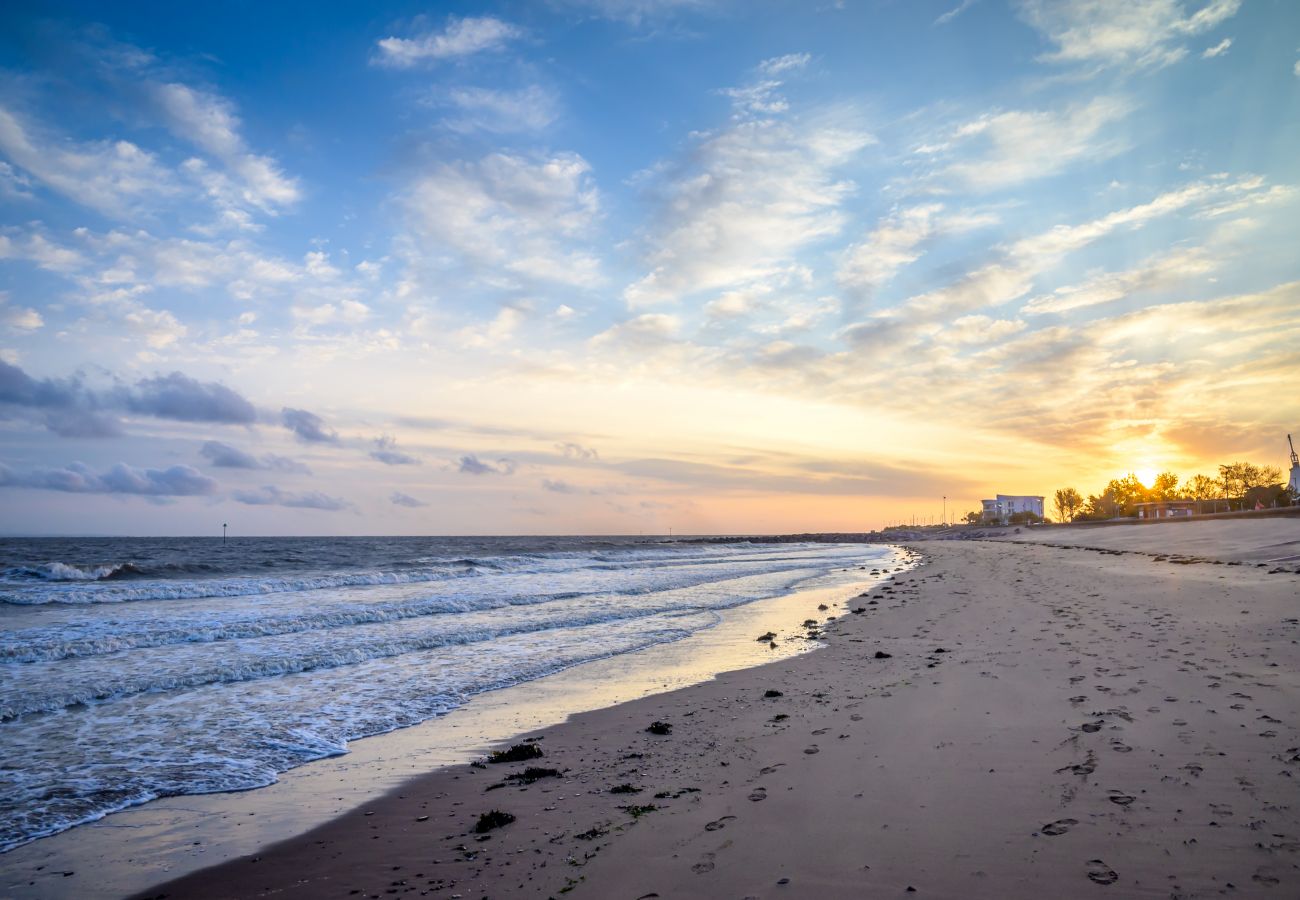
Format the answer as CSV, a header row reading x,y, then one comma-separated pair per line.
x,y
620,265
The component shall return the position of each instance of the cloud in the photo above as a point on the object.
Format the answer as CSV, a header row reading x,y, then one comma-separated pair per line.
x,y
778,64
635,12
18,318
387,453
179,397
78,478
832,477
743,204
472,465
308,427
500,111
397,498
1156,273
225,456
1019,146
1120,32
115,178
75,409
36,248
647,329
462,37
954,12
270,495
210,123
895,243
577,451
82,423
556,486
508,216
1218,49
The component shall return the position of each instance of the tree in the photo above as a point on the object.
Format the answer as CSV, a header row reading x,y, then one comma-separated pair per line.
x,y
1202,487
974,517
1239,477
1068,501
1120,498
1165,487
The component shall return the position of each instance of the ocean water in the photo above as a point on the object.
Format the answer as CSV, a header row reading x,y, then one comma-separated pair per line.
x,y
132,669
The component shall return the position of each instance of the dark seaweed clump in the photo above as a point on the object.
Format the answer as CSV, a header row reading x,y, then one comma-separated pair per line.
x,y
517,753
494,819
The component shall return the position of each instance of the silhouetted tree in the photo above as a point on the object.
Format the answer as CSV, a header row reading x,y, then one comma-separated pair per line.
x,y
1068,501
1165,487
1240,477
1202,487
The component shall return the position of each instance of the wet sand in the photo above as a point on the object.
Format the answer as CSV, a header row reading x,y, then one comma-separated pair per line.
x,y
1005,721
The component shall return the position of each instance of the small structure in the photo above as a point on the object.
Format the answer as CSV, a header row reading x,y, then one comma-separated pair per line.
x,y
1168,509
1000,509
1294,483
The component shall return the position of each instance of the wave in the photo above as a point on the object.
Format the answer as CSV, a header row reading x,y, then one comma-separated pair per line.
x,y
227,587
58,571
287,653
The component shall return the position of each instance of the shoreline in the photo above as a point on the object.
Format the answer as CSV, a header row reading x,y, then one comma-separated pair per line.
x,y
167,838
1049,721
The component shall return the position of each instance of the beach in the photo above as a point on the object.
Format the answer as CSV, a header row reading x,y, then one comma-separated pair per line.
x,y
1005,720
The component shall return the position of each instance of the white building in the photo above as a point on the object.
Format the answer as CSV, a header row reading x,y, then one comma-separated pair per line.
x,y
1004,506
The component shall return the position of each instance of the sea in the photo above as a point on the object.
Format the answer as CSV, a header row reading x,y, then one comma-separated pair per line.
x,y
138,668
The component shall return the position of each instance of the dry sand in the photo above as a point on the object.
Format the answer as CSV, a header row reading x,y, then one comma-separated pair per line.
x,y
1049,722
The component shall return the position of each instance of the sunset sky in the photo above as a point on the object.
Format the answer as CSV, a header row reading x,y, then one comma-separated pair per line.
x,y
620,266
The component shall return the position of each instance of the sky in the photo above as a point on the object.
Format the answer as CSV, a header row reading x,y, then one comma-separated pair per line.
x,y
626,266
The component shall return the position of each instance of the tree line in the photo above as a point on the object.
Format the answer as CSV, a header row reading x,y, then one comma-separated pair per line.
x,y
1238,484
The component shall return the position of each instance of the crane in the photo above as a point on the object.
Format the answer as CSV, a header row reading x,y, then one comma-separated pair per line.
x,y
1295,460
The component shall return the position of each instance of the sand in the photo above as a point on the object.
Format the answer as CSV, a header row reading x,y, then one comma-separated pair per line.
x,y
1007,720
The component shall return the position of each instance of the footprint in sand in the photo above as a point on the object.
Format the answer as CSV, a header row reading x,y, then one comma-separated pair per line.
x,y
1060,826
1119,798
1091,727
1121,748
704,865
812,750
718,824
758,794
1101,873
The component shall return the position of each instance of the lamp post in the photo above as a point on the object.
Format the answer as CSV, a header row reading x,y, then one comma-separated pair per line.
x,y
945,509
223,533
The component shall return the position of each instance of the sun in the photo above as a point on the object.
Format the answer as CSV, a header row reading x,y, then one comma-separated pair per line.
x,y
1147,476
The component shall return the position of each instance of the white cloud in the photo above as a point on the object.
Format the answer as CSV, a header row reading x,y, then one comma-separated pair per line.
x,y
778,64
748,198
1218,49
348,312
36,248
895,243
1013,276
17,318
645,329
499,111
14,184
634,12
1021,146
210,123
1153,274
1122,32
113,177
461,38
509,216
954,12
158,327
